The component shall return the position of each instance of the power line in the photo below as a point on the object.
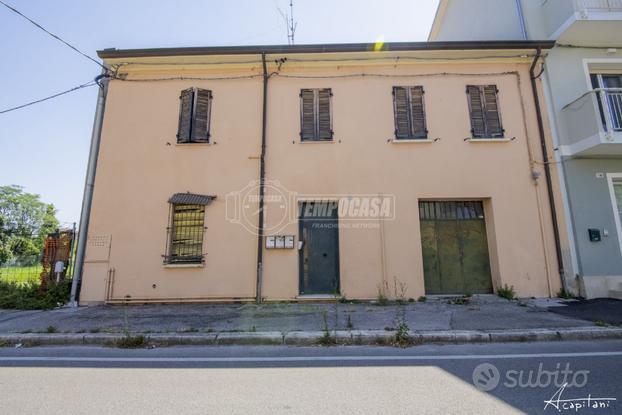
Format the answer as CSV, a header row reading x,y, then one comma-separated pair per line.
x,y
51,34
90,83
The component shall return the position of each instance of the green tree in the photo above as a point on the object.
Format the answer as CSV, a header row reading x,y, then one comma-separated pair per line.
x,y
24,222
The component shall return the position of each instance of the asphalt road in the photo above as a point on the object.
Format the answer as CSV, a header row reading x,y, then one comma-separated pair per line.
x,y
510,378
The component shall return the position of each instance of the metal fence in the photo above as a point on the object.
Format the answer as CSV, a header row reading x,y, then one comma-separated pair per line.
x,y
55,262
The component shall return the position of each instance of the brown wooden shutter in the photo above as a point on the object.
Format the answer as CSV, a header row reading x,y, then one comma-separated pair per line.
x,y
419,129
476,110
186,101
491,112
324,124
307,114
401,112
201,119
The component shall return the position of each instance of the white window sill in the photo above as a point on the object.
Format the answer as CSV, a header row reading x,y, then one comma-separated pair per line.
x,y
316,141
410,141
193,144
201,265
489,140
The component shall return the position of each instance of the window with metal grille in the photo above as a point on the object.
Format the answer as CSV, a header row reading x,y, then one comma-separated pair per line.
x,y
484,111
458,210
195,106
409,111
185,234
316,121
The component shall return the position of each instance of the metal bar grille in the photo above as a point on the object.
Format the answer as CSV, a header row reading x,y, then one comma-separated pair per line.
x,y
451,210
185,234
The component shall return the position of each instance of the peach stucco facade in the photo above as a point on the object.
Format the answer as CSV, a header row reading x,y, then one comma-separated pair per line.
x,y
140,166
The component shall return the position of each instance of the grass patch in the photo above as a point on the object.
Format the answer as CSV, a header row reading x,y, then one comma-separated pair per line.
x,y
506,292
422,299
21,275
27,296
600,323
132,342
51,329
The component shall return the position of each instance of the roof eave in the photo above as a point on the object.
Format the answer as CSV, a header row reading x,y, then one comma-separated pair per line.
x,y
326,48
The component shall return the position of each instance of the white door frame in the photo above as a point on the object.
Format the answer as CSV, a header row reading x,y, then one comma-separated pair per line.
x,y
614,204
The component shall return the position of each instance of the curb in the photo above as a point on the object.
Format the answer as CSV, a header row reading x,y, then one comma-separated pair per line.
x,y
311,338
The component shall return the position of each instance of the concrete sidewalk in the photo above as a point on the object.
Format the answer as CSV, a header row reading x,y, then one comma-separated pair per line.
x,y
482,319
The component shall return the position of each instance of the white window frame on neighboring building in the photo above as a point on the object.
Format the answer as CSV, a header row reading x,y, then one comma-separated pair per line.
x,y
611,177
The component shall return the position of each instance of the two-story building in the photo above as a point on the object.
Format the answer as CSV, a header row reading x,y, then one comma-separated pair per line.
x,y
312,171
583,87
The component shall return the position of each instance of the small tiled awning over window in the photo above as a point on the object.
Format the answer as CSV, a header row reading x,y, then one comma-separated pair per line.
x,y
191,199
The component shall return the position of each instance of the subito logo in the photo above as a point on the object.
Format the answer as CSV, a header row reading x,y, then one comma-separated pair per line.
x,y
486,377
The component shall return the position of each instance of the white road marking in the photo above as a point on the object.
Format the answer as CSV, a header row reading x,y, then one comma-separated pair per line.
x,y
299,358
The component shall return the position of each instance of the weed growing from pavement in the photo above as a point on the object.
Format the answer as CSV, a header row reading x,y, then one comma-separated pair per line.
x,y
51,329
464,300
132,342
600,323
422,299
327,339
506,292
349,324
381,298
562,293
128,341
399,289
402,335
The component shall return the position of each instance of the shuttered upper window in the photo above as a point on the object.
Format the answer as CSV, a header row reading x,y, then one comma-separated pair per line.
x,y
484,111
316,122
194,116
409,111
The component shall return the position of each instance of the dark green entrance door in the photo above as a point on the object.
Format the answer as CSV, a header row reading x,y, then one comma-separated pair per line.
x,y
319,254
455,248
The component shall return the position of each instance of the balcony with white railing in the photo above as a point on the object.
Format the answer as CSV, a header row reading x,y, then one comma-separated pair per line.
x,y
592,22
598,5
593,124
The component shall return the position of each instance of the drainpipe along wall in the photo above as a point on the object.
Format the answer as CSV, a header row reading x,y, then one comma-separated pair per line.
x,y
262,177
547,167
89,184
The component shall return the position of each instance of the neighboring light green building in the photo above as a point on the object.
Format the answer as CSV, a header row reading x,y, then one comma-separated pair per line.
x,y
583,86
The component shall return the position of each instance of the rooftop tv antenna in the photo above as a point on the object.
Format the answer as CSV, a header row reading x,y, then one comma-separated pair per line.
x,y
289,22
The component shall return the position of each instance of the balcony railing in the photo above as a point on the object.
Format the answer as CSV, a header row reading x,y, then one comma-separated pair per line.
x,y
613,115
599,5
592,119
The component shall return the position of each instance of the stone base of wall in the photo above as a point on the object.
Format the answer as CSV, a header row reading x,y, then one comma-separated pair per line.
x,y
595,286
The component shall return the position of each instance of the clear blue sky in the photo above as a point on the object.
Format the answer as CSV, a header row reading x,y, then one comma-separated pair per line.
x,y
45,147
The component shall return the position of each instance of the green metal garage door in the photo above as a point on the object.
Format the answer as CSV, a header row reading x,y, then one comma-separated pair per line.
x,y
455,248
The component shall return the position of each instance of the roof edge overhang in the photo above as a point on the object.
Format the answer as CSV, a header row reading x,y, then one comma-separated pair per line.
x,y
327,48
